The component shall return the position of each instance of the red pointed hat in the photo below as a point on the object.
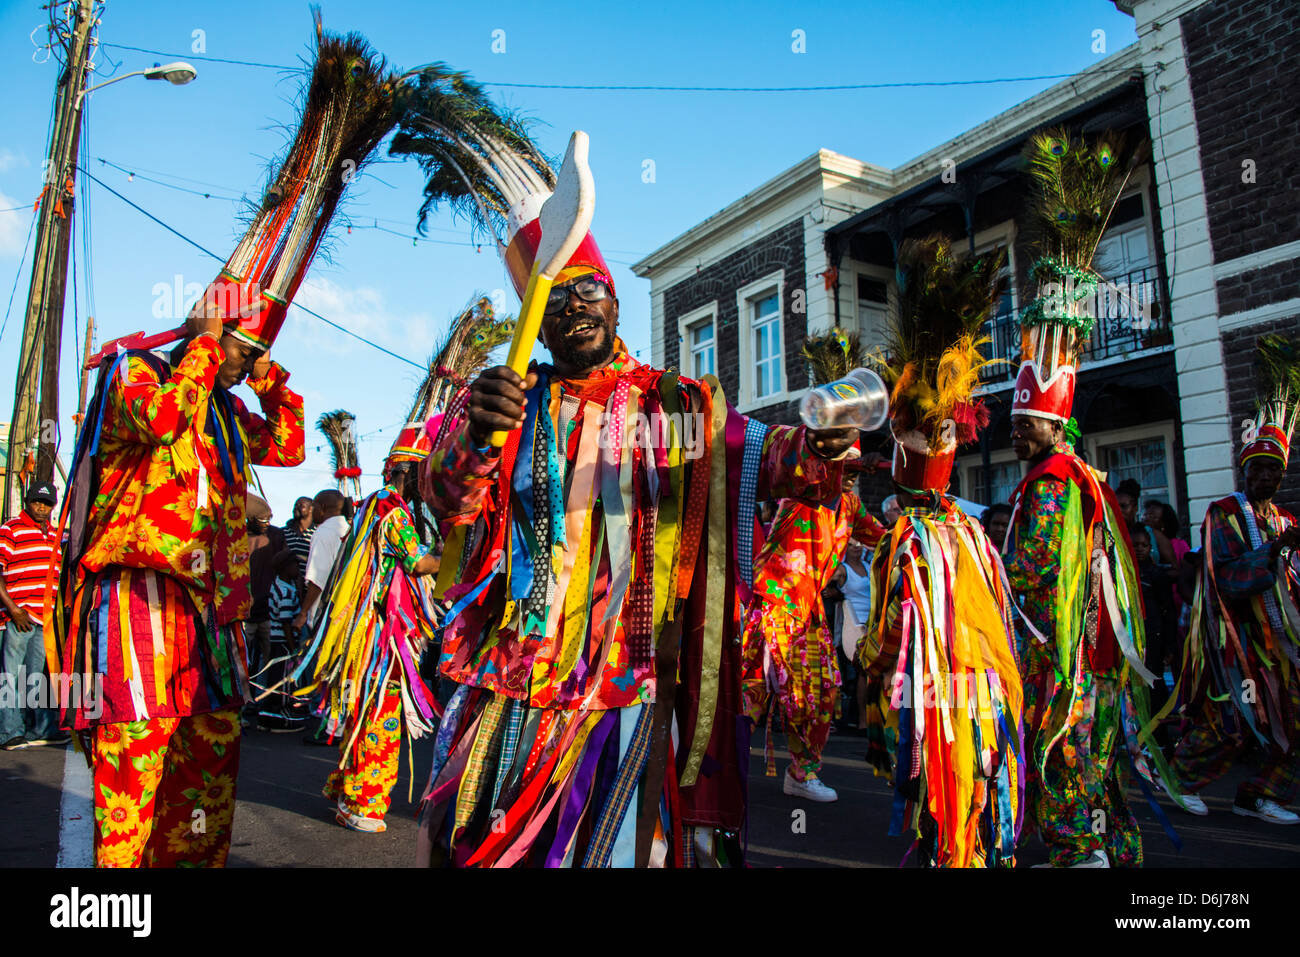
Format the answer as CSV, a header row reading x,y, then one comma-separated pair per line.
x,y
412,445
256,315
1052,399
1271,441
524,232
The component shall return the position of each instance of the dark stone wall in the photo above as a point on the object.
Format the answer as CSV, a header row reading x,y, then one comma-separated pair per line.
x,y
1259,287
1240,366
782,248
1243,57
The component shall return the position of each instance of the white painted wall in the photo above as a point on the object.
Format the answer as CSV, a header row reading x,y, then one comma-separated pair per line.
x,y
1189,257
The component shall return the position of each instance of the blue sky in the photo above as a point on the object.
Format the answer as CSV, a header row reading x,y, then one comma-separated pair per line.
x,y
217,135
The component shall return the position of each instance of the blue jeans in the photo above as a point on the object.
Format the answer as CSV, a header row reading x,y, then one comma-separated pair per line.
x,y
22,656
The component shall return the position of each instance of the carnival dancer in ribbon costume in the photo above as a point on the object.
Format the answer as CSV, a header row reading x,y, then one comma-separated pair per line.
x,y
1068,555
156,577
1240,664
940,631
789,650
378,613
598,565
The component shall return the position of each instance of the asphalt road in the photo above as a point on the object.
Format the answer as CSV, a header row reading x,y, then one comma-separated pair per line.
x,y
281,820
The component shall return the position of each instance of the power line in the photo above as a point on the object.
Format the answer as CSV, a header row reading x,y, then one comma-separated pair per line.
x,y
183,189
206,59
221,259
661,88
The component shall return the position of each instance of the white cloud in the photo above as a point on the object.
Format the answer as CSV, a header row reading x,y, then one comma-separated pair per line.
x,y
11,160
13,225
361,310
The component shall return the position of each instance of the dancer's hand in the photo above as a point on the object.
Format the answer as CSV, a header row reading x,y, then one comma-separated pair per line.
x,y
831,443
496,403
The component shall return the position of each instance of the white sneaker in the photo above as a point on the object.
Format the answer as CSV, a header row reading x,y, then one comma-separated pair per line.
x,y
811,788
1095,859
1265,810
1192,804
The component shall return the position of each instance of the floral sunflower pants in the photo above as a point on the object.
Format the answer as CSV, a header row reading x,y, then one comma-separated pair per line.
x,y
164,790
364,784
1076,797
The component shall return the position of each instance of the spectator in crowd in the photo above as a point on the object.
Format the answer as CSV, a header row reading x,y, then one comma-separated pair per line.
x,y
995,520
854,581
280,711
330,511
29,549
1161,621
1127,494
891,510
265,541
297,536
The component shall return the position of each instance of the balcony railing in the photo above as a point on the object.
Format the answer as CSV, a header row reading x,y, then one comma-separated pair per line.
x,y
1131,318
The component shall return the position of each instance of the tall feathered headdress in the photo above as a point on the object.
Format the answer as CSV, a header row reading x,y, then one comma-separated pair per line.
x,y
463,354
833,355
933,359
350,105
481,163
337,427
1279,406
1075,185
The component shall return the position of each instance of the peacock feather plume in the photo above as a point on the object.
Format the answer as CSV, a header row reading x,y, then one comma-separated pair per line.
x,y
1075,185
349,106
464,352
933,360
478,158
832,355
1279,367
339,432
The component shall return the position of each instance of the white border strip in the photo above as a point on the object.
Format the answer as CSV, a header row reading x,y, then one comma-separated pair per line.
x,y
76,813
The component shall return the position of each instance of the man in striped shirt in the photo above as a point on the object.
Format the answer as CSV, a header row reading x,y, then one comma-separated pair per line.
x,y
29,546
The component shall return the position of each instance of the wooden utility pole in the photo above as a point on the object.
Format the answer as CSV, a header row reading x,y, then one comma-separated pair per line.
x,y
85,379
33,433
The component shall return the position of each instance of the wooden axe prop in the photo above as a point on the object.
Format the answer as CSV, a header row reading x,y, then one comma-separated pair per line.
x,y
565,219
136,340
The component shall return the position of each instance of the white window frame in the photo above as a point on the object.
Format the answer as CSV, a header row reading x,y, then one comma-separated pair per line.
x,y
969,465
772,282
872,337
1002,234
1093,444
685,323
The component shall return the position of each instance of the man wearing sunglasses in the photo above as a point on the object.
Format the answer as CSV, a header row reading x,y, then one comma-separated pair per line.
x,y
600,655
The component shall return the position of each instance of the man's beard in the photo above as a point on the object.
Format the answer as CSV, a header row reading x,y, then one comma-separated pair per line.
x,y
591,357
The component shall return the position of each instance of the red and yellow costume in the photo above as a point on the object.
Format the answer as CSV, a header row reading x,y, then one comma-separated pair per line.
x,y
156,586
939,637
789,649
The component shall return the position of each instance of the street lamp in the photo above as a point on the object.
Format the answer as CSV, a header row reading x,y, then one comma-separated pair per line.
x,y
178,74
37,396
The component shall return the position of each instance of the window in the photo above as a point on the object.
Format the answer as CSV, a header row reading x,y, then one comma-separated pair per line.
x,y
699,339
765,329
997,484
873,308
1143,461
760,313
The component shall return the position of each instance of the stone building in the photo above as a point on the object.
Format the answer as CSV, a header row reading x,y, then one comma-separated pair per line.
x,y
1205,246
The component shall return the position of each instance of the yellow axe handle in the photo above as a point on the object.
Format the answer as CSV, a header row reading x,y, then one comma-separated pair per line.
x,y
526,330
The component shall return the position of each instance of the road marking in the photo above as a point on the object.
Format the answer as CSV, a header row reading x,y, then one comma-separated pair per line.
x,y
833,861
76,813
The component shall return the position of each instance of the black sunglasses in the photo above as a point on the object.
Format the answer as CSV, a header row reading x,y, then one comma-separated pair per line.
x,y
588,289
